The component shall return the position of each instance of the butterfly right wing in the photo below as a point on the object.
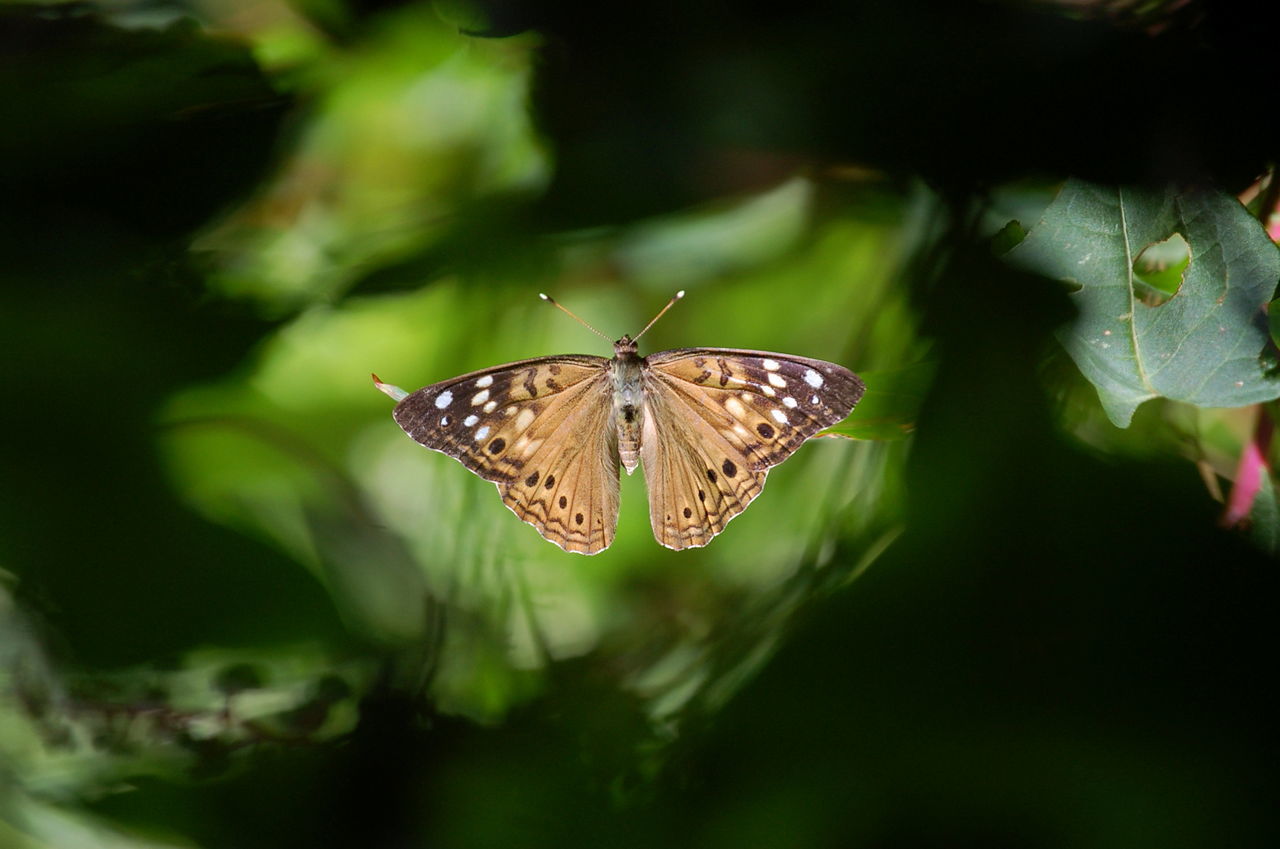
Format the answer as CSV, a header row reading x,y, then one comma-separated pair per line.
x,y
539,430
717,420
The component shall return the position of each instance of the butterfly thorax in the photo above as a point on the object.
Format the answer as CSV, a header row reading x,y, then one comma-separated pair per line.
x,y
628,400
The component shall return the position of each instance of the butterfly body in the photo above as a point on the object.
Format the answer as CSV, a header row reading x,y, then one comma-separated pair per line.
x,y
706,424
627,368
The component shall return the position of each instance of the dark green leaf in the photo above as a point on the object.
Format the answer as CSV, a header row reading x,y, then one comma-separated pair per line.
x,y
1202,346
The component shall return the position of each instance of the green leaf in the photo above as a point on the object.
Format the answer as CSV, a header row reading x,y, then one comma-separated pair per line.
x,y
1203,345
889,408
1265,518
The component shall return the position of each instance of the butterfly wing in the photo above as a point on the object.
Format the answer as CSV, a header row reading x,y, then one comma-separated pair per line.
x,y
540,430
717,419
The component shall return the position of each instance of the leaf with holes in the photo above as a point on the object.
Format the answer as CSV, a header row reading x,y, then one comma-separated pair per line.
x,y
1205,344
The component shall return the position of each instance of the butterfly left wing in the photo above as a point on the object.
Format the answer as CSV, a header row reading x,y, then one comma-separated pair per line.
x,y
538,429
717,419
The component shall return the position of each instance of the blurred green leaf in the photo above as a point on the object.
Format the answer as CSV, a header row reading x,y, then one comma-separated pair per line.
x,y
889,408
1203,345
1265,517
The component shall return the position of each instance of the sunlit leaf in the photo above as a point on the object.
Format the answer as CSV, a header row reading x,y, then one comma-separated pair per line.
x,y
1203,345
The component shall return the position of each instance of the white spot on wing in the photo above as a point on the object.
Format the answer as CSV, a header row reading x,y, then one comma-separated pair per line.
x,y
734,406
482,433
444,399
524,419
776,379
480,397
487,380
444,421
814,400
470,421
768,390
812,378
779,416
771,365
790,402
489,407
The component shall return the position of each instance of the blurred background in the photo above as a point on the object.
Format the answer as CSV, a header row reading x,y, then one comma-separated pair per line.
x,y
240,608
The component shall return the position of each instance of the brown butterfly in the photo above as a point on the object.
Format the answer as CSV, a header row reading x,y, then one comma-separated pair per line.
x,y
706,423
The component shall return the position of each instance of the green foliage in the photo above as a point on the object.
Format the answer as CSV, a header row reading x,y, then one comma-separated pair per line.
x,y
1265,518
1205,344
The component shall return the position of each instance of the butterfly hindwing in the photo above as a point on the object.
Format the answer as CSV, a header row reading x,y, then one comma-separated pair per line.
x,y
574,503
539,429
697,479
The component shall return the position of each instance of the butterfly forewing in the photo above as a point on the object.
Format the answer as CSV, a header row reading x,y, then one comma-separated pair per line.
x,y
718,419
539,429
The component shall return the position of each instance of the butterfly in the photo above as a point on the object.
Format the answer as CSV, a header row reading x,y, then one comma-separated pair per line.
x,y
706,424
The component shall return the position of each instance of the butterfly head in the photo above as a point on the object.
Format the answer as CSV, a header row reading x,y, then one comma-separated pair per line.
x,y
625,347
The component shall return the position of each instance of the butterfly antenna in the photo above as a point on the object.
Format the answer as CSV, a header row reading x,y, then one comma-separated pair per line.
x,y
565,310
671,303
